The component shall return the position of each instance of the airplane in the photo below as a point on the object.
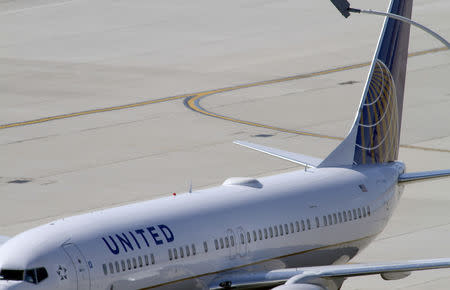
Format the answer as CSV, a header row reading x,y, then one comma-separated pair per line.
x,y
291,231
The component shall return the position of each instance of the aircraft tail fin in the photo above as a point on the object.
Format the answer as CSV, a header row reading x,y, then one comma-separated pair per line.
x,y
375,135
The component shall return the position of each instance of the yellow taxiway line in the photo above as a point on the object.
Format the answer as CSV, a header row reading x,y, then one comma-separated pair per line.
x,y
90,112
192,102
155,101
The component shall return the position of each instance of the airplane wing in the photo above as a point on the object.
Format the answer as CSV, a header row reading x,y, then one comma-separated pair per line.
x,y
323,275
3,239
286,155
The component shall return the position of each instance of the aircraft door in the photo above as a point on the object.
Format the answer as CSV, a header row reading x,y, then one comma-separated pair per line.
x,y
241,242
231,239
81,267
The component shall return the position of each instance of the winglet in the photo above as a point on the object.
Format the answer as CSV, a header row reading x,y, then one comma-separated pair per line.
x,y
286,155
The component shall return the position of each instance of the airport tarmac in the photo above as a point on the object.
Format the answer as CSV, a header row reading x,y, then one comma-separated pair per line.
x,y
105,103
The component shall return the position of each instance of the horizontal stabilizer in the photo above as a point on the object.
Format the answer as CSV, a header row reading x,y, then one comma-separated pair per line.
x,y
286,155
414,176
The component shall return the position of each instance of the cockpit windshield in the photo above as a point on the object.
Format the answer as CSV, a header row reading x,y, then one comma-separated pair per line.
x,y
33,276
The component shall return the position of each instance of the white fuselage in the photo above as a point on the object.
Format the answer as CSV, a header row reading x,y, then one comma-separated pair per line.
x,y
189,240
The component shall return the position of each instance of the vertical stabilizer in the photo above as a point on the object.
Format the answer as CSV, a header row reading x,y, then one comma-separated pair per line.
x,y
375,135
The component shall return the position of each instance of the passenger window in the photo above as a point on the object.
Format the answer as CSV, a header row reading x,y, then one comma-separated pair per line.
x,y
281,230
152,258
227,243
368,210
349,215
249,239
124,267
286,229
308,222
364,212
271,232
232,241
188,253
354,214
170,255
221,243
140,261
330,220
241,235
134,263
175,254
359,213
205,246
181,252
129,264
275,228
317,222
111,268
344,213
216,244
146,260
265,234
334,218
303,225
340,217
297,226
254,236
292,227
117,267
325,223
194,251
105,269
260,234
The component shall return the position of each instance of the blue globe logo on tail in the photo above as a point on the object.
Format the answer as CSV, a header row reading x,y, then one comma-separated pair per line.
x,y
378,127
